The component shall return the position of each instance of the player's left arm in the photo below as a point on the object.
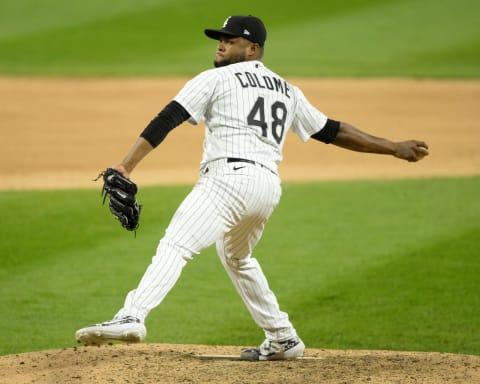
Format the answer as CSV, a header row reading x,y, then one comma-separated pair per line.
x,y
170,117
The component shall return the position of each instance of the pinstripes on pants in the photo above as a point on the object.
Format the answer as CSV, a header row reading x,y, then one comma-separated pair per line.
x,y
229,207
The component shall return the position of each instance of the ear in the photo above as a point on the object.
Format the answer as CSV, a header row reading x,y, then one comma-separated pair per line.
x,y
253,51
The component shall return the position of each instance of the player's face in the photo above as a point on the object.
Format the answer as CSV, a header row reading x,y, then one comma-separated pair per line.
x,y
231,50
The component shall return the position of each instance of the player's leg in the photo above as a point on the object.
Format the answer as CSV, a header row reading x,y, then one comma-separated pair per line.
x,y
250,281
197,224
248,278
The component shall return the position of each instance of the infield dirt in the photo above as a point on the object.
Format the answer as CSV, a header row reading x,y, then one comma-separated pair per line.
x,y
63,132
173,364
60,133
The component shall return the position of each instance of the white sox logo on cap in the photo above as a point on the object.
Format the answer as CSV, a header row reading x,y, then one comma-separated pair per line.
x,y
249,27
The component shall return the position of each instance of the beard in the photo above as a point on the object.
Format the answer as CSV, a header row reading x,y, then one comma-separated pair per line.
x,y
231,60
222,63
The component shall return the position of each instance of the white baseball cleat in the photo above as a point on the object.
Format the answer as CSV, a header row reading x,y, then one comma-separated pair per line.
x,y
273,350
126,329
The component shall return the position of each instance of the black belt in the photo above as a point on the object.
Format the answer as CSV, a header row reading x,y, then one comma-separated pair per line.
x,y
238,160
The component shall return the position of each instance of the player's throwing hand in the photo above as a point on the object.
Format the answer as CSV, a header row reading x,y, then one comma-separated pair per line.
x,y
411,150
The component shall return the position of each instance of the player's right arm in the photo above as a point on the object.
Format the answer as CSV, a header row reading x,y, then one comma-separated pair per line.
x,y
354,139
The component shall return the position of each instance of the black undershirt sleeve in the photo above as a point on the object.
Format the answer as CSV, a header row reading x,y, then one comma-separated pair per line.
x,y
328,133
170,117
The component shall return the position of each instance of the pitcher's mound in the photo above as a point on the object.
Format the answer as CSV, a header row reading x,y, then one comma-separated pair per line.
x,y
165,364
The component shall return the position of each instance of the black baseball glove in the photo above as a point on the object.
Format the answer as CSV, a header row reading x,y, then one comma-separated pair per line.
x,y
123,203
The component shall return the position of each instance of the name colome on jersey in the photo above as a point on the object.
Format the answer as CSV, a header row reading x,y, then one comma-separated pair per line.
x,y
248,79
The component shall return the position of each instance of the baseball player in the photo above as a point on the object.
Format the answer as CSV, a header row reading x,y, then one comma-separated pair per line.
x,y
247,110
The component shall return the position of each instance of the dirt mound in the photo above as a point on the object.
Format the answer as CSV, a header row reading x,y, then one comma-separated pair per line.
x,y
164,363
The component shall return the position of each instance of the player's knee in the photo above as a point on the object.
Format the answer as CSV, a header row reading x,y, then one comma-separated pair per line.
x,y
169,248
241,264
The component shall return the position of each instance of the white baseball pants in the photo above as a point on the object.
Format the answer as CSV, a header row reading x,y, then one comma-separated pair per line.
x,y
229,206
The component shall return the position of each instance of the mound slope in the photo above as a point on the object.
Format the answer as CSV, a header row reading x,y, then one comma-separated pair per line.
x,y
169,364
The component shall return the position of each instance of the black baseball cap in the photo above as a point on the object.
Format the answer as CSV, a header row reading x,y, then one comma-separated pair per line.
x,y
248,27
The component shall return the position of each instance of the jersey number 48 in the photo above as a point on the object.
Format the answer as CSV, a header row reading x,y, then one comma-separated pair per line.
x,y
256,117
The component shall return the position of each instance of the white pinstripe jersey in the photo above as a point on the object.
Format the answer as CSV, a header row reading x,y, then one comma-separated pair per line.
x,y
247,111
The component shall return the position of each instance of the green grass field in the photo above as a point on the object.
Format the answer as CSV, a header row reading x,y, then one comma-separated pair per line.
x,y
377,264
418,38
